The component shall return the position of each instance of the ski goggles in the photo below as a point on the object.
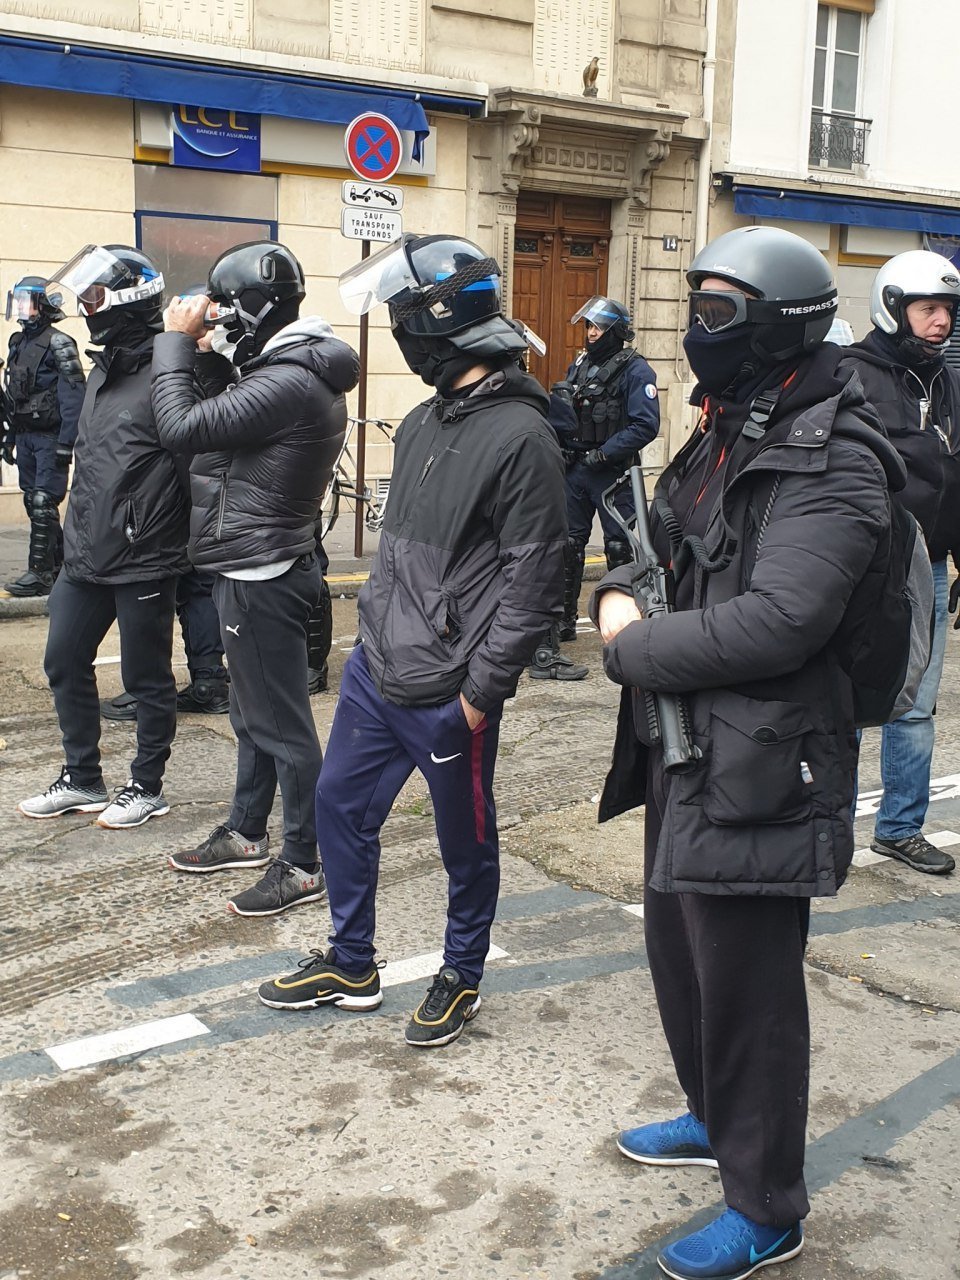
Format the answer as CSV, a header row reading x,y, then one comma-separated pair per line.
x,y
95,280
719,310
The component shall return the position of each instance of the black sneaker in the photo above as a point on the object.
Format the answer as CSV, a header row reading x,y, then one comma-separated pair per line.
x,y
917,852
222,850
319,981
205,697
122,707
282,887
317,678
447,1006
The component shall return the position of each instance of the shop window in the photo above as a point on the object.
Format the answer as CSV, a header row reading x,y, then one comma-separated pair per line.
x,y
838,136
209,21
386,34
567,34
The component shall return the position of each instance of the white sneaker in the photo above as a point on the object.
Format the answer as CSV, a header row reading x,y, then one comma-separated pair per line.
x,y
64,797
132,808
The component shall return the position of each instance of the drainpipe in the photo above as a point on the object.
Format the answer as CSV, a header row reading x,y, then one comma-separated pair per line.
x,y
705,173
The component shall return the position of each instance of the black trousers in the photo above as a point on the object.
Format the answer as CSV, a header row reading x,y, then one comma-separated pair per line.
x,y
81,614
728,976
200,625
264,630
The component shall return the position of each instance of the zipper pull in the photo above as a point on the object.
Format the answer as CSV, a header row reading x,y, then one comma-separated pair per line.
x,y
426,467
924,404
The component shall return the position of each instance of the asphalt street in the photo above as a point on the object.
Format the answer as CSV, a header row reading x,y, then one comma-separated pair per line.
x,y
159,1122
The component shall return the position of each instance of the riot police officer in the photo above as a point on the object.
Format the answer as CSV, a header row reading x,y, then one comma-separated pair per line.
x,y
613,392
43,392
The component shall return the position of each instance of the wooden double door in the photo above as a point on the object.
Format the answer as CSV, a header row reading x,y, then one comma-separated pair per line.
x,y
559,262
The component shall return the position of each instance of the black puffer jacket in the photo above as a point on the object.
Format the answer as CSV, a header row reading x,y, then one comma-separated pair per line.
x,y
129,507
469,572
771,707
266,444
927,438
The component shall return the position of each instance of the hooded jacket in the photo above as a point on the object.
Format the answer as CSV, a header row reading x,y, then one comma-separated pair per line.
x,y
921,415
265,443
129,505
469,571
767,810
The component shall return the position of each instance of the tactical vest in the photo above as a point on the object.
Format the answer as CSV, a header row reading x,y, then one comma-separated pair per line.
x,y
31,409
598,397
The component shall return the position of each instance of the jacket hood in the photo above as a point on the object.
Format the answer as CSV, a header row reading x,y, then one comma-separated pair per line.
x,y
511,382
881,349
310,342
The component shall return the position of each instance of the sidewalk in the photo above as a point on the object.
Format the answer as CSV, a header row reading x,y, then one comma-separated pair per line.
x,y
346,575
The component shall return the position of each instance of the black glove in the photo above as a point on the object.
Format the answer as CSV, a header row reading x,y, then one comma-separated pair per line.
x,y
594,459
63,457
954,600
7,449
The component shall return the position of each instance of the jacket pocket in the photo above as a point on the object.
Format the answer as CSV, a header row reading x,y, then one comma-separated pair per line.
x,y
130,526
757,772
222,503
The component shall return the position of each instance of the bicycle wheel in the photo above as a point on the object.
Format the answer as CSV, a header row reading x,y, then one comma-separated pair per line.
x,y
330,506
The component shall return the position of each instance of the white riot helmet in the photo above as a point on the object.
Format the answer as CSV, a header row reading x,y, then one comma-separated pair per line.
x,y
905,279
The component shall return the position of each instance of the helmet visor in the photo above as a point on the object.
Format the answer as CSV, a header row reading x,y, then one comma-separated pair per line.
x,y
716,311
378,278
23,302
599,312
95,280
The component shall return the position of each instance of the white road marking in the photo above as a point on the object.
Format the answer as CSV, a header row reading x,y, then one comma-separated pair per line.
x,y
635,908
425,966
117,1044
947,788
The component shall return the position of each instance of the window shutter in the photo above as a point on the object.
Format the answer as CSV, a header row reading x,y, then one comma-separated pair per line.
x,y
566,35
209,21
383,33
855,6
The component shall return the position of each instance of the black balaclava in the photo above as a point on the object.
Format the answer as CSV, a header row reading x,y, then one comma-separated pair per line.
x,y
722,361
123,327
438,362
606,346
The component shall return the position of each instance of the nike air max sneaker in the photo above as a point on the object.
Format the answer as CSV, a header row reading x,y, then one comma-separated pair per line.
x,y
444,1011
731,1247
319,980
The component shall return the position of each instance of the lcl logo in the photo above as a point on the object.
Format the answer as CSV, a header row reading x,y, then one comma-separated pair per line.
x,y
214,118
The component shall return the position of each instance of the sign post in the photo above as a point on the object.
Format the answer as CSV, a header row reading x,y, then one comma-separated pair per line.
x,y
373,146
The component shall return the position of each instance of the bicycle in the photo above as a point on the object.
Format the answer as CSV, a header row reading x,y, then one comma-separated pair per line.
x,y
342,486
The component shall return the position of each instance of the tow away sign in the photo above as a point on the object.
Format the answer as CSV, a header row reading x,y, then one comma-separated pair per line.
x,y
371,196
357,222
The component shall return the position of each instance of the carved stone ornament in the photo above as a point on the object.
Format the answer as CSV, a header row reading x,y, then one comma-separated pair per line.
x,y
520,134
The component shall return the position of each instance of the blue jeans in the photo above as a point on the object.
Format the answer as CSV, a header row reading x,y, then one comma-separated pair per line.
x,y
906,747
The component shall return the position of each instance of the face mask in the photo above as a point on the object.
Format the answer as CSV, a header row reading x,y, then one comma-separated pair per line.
x,y
223,343
718,359
606,345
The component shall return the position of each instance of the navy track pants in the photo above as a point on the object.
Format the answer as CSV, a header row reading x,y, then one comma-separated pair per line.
x,y
373,749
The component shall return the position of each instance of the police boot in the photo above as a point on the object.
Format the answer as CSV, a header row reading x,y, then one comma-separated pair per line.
x,y
617,553
574,554
44,523
319,641
549,664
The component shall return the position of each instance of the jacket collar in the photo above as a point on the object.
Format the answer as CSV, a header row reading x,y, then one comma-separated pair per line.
x,y
118,360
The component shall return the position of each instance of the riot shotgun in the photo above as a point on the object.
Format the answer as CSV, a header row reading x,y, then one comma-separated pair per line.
x,y
668,716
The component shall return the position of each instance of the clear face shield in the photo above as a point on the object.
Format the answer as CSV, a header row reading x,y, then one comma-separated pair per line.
x,y
95,280
597,312
23,303
378,278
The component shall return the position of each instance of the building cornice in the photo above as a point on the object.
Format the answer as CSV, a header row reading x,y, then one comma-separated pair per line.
x,y
838,186
593,114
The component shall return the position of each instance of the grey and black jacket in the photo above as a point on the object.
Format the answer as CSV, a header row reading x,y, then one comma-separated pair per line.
x,y
264,444
43,383
129,506
469,572
768,808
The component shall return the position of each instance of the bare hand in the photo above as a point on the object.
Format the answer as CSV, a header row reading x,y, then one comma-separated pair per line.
x,y
471,714
185,315
206,342
616,612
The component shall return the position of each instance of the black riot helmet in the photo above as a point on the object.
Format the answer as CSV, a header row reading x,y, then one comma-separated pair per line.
x,y
794,298
28,304
264,284
609,316
116,288
446,312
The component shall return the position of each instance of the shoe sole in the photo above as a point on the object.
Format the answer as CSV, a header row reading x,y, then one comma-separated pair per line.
x,y
740,1275
127,826
98,807
441,1041
220,866
552,675
708,1162
275,911
355,1003
914,866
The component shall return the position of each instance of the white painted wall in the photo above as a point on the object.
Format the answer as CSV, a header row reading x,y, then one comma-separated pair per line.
x,y
908,76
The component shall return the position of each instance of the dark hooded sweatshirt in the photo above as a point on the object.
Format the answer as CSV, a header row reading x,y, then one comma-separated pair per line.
x,y
469,573
266,445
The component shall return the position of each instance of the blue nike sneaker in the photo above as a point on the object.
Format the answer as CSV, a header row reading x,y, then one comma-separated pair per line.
x,y
730,1248
680,1141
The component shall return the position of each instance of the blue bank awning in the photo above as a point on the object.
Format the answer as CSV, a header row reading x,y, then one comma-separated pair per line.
x,y
122,74
766,202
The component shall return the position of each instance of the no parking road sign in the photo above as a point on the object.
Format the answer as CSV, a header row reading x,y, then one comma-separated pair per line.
x,y
373,146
